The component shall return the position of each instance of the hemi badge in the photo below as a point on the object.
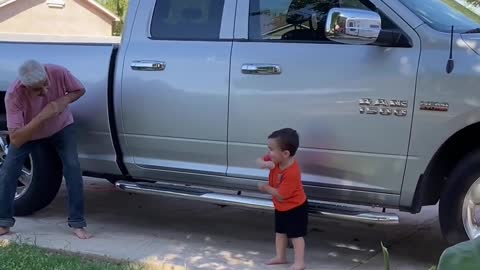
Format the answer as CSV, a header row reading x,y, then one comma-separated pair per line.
x,y
434,106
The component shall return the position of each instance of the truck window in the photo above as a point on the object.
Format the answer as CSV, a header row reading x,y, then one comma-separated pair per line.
x,y
298,20
442,14
187,19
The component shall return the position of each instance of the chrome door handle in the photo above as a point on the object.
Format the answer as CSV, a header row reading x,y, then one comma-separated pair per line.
x,y
148,65
261,69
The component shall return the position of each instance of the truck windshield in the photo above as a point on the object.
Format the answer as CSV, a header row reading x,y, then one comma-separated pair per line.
x,y
443,14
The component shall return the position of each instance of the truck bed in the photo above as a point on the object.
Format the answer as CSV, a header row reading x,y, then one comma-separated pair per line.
x,y
90,62
36,38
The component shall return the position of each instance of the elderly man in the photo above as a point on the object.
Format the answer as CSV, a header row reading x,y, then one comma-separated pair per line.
x,y
37,112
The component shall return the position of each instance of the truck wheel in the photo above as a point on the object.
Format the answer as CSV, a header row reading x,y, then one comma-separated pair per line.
x,y
40,180
460,202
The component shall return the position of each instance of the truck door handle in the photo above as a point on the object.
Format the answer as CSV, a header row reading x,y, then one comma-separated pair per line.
x,y
148,65
261,69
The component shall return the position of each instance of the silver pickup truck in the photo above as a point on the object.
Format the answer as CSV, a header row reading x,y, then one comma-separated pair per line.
x,y
384,94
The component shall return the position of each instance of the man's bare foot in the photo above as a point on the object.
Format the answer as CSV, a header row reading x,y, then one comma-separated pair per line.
x,y
297,267
4,231
82,233
277,261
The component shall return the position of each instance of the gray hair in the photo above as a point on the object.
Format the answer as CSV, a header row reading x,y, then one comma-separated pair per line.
x,y
32,74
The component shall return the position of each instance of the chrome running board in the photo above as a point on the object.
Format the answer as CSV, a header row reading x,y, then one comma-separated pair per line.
x,y
316,208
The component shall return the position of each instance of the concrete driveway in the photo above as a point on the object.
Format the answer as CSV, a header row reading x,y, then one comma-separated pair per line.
x,y
181,234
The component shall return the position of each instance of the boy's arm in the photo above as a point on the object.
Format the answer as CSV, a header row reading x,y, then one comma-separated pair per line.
x,y
272,191
266,163
289,185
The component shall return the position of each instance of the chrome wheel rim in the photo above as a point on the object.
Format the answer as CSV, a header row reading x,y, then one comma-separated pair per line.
x,y
471,211
25,179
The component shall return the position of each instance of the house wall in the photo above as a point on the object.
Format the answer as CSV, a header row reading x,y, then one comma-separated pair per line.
x,y
76,18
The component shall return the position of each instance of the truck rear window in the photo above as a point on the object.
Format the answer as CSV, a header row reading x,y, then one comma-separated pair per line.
x,y
187,19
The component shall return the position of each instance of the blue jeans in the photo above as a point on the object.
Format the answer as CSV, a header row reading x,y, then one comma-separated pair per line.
x,y
66,145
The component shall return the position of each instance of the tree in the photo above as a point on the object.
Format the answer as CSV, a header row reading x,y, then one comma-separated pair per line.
x,y
474,2
119,8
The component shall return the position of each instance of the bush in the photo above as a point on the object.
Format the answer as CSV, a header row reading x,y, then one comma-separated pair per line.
x,y
463,256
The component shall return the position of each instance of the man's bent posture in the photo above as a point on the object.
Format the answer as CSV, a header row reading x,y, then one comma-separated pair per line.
x,y
38,113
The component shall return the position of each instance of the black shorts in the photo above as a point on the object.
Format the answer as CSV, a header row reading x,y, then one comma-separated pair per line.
x,y
293,222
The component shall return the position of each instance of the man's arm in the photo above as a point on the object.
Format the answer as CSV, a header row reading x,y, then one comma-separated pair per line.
x,y
73,87
72,96
22,135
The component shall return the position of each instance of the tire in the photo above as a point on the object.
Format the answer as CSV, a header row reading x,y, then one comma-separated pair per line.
x,y
47,178
459,185
45,174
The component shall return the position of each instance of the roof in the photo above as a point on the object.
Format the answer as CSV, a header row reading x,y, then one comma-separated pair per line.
x,y
6,2
93,3
103,9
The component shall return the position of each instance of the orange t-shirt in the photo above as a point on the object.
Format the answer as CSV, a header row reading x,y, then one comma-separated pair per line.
x,y
289,185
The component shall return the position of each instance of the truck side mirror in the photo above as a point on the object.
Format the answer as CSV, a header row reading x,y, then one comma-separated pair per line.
x,y
353,26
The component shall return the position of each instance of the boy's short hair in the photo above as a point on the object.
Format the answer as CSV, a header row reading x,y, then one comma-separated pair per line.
x,y
287,139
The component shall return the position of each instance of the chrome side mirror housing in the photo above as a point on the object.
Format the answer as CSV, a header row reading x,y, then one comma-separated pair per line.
x,y
353,26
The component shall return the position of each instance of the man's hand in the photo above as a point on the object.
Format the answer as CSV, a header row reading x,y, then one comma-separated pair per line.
x,y
60,105
63,101
52,109
19,137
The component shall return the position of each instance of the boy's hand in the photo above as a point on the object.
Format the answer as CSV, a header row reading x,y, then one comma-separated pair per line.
x,y
269,165
261,163
263,187
266,188
265,164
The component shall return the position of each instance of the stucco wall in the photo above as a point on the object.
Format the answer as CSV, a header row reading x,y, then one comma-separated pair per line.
x,y
76,18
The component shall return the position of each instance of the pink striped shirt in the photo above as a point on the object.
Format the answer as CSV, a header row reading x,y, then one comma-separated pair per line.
x,y
22,108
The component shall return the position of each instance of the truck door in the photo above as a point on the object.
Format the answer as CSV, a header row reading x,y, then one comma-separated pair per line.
x,y
351,104
174,87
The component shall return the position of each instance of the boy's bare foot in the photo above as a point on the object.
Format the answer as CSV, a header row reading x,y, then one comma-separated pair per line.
x,y
277,261
4,231
82,234
297,267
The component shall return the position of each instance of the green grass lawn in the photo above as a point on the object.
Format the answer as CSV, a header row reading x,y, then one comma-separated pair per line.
x,y
25,257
